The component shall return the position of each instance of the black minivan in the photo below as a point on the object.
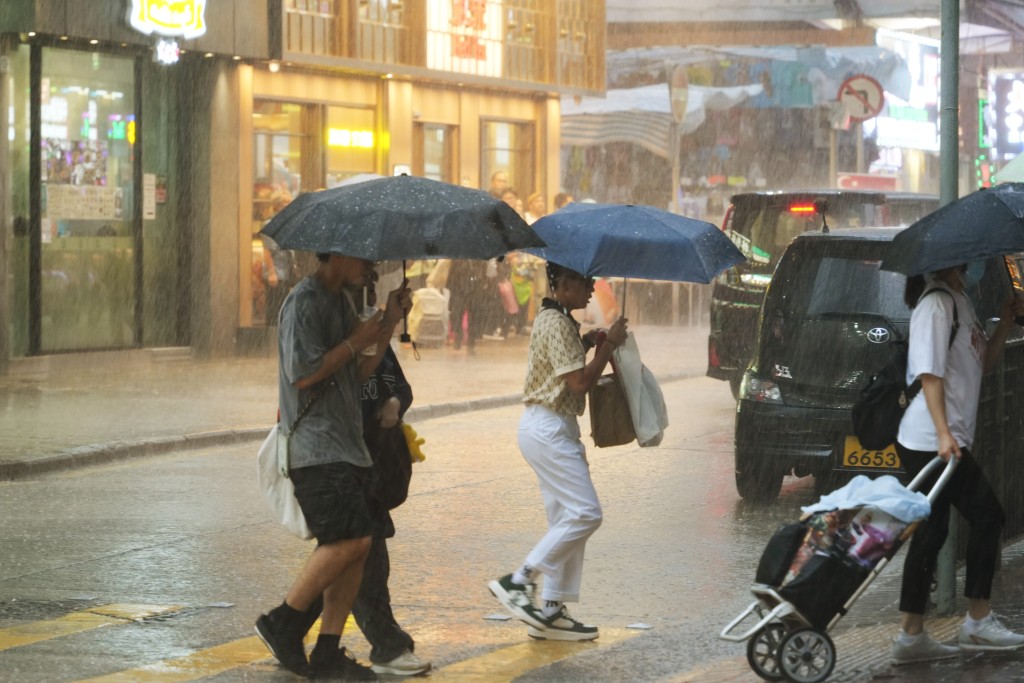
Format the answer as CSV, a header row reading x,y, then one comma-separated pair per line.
x,y
761,224
828,317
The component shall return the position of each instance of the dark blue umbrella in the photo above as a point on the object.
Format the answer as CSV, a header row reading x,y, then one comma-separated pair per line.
x,y
401,217
626,240
986,223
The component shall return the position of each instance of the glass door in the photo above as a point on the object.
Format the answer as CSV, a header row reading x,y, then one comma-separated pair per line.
x,y
87,241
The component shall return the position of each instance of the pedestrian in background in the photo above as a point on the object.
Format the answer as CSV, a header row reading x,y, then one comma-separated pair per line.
x,y
558,378
561,199
278,265
536,208
941,421
320,339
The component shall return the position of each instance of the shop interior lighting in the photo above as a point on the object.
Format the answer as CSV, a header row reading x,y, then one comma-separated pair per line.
x,y
63,37
94,42
208,55
31,34
274,67
236,58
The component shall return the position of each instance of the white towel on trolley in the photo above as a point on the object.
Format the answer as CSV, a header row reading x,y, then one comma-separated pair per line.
x,y
884,493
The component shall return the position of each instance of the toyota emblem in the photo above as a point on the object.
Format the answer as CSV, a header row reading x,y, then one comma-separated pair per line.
x,y
878,335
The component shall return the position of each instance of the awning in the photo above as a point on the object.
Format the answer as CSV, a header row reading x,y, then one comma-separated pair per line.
x,y
643,115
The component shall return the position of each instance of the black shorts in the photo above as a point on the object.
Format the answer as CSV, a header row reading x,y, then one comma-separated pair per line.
x,y
333,500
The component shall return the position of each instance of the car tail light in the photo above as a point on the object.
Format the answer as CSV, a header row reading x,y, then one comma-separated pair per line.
x,y
759,390
802,208
713,360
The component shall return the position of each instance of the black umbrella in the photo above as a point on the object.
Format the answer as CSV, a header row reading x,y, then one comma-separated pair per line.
x,y
986,223
401,217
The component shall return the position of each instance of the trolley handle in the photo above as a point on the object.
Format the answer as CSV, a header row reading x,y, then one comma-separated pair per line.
x,y
927,470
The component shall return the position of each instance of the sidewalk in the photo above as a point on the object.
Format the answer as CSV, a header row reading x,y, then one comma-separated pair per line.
x,y
70,410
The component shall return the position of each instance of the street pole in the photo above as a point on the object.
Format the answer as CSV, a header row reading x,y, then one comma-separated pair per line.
x,y
949,147
5,209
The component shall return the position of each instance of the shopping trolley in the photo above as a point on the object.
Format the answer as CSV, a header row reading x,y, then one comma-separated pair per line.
x,y
810,574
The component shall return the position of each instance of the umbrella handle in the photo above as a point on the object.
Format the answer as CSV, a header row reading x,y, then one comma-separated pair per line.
x,y
404,337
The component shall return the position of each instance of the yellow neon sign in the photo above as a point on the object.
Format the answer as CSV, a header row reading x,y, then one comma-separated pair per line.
x,y
183,18
342,137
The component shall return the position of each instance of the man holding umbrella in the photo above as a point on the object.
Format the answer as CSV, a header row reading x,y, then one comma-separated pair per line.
x,y
557,381
321,373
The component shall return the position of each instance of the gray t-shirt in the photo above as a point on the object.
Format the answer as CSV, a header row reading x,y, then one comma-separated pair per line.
x,y
313,321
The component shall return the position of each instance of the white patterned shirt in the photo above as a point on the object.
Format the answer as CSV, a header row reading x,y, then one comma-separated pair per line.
x,y
555,350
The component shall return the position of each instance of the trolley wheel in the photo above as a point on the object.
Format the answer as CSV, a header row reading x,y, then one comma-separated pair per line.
x,y
806,655
761,651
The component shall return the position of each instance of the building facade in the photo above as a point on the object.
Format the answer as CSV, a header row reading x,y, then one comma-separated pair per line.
x,y
149,140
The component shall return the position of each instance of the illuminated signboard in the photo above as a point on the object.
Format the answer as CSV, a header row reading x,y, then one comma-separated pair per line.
x,y
1006,97
467,36
184,18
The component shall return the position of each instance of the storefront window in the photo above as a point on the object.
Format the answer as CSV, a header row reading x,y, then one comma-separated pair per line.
x,y
278,143
88,136
351,143
434,144
507,146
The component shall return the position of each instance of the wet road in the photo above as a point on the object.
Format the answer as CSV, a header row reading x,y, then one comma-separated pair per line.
x,y
186,537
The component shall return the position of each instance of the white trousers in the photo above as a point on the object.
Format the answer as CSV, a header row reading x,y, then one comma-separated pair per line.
x,y
550,442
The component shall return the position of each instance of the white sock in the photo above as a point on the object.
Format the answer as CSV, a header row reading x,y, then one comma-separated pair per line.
x,y
907,639
972,625
551,608
524,575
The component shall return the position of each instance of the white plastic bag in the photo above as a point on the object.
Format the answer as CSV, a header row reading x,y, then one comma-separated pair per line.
x,y
646,402
278,489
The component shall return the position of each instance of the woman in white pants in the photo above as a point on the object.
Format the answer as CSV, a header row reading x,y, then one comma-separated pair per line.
x,y
558,377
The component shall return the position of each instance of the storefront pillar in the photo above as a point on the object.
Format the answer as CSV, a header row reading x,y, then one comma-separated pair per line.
x,y
5,211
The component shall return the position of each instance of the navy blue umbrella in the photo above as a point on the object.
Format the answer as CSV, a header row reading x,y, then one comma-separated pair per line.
x,y
986,223
626,240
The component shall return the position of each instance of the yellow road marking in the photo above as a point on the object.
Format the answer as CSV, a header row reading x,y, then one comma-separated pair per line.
x,y
509,663
201,664
76,622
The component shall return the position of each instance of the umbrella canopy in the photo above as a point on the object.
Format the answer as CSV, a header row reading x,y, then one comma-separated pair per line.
x,y
401,217
625,240
986,223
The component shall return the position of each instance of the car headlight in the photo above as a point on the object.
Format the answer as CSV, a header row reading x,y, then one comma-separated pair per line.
x,y
760,390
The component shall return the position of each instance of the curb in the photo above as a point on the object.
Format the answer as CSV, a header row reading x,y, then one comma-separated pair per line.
x,y
101,453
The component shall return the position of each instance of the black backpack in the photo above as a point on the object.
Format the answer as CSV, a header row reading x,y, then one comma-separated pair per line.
x,y
882,402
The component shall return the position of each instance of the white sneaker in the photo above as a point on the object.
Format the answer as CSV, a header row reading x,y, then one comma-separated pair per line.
x,y
561,626
924,650
991,635
405,664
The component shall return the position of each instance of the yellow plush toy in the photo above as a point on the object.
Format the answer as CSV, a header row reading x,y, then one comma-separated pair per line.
x,y
414,441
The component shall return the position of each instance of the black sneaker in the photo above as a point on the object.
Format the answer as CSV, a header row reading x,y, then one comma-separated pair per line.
x,y
517,598
286,645
338,665
560,626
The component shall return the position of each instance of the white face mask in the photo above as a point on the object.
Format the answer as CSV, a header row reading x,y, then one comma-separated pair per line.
x,y
972,276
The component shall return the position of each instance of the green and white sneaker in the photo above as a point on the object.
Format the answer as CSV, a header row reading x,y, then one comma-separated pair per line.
x,y
561,626
517,598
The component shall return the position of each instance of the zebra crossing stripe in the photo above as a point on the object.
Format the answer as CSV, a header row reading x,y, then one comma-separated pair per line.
x,y
77,622
509,663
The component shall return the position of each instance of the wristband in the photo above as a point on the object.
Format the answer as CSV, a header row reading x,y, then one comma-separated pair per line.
x,y
351,349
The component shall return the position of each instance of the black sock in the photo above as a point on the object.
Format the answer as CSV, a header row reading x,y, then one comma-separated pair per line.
x,y
327,642
286,615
